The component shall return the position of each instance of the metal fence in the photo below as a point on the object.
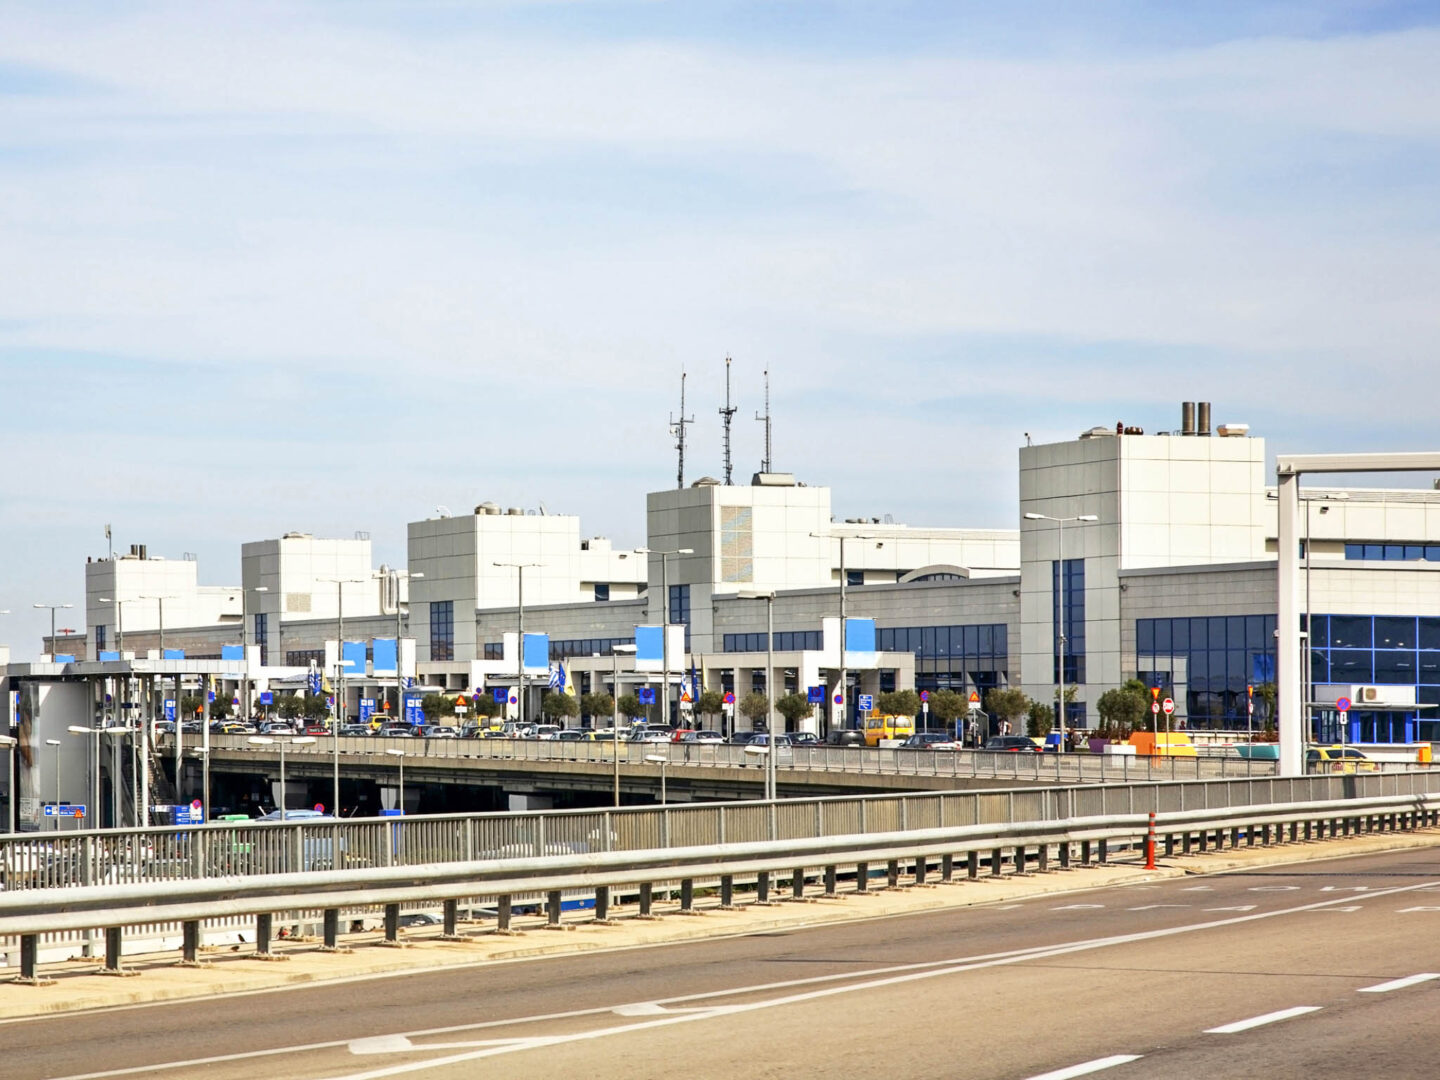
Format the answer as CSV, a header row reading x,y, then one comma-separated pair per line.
x,y
228,850
879,761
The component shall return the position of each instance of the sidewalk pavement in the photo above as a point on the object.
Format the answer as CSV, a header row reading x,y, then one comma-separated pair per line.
x,y
78,986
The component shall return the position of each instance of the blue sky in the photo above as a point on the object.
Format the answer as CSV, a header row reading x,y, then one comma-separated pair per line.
x,y
326,266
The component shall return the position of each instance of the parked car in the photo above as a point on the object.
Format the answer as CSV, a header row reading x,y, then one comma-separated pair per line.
x,y
1012,744
441,731
230,727
703,737
573,735
399,730
277,727
546,732
649,737
354,730
804,738
783,754
930,740
1341,759
740,738
845,737
678,734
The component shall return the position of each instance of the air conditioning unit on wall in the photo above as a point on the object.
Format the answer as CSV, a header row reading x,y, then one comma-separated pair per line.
x,y
1382,697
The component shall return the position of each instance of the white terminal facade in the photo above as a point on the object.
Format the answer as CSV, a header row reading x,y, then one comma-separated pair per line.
x,y
1168,573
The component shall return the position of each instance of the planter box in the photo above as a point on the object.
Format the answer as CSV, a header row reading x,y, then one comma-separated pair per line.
x,y
1259,751
1097,746
1120,749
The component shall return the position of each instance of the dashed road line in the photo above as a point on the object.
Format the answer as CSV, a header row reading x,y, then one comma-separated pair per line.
x,y
1088,1067
1261,1021
1400,984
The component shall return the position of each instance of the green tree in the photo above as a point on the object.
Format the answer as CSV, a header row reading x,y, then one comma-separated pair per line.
x,y
191,706
711,703
313,707
630,706
1040,719
898,703
597,704
289,706
756,706
559,706
794,708
1007,703
1123,709
947,706
487,707
437,707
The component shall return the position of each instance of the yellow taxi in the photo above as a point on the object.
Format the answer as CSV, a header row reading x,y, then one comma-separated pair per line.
x,y
1341,759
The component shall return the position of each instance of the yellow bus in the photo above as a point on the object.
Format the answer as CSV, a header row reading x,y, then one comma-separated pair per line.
x,y
887,727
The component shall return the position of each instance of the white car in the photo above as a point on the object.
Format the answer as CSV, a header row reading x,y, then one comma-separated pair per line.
x,y
548,732
442,732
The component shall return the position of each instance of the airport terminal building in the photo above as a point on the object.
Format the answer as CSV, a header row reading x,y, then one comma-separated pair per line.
x,y
1155,552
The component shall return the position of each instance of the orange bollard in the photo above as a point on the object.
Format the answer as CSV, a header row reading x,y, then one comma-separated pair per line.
x,y
1150,844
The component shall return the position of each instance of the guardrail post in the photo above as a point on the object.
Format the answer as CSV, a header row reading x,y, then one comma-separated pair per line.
x,y
29,961
1204,841
862,876
113,942
554,907
1043,866
392,925
972,865
995,856
504,909
602,906
947,868
1309,830
727,893
797,883
922,869
687,897
1294,831
451,915
647,900
762,887
1103,855
1065,855
190,943
1020,857
1250,836
830,877
892,873
264,931
331,931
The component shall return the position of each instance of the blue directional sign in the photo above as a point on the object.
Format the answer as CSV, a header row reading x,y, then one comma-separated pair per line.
x,y
499,694
866,702
170,709
367,707
65,810
267,698
816,695
414,714
647,695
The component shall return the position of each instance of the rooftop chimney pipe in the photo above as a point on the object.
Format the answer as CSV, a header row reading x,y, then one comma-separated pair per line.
x,y
1187,418
1203,423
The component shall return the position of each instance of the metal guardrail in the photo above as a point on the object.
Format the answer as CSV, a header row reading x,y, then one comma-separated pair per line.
x,y
45,861
880,761
189,902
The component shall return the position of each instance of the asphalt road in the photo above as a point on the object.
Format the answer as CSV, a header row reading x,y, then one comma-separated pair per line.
x,y
1326,969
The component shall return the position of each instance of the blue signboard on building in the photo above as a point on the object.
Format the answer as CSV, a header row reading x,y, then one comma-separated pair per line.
x,y
170,709
647,695
414,714
367,709
267,698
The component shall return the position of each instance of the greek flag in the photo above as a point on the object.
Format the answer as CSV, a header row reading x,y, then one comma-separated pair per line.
x,y
557,677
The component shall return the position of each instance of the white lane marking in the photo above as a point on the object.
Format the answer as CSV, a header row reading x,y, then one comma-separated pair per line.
x,y
381,1044
1237,907
1400,984
1341,910
643,1008
1345,888
1152,907
1088,1067
1199,888
1274,888
1077,907
1260,1021
970,963
1407,910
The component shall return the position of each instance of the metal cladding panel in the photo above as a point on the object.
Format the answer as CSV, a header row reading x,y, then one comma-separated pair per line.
x,y
172,654
108,655
354,655
232,652
859,643
536,654
383,656
650,648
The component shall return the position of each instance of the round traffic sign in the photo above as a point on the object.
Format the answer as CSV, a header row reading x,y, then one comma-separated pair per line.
x,y
319,807
1168,705
196,804
839,699
1342,704
924,695
729,699
1155,707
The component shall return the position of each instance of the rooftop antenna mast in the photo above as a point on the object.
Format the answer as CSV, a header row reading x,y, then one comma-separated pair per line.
x,y
765,464
725,414
677,428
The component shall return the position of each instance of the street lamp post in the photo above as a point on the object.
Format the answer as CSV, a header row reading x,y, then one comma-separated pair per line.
x,y
662,761
399,678
245,650
340,707
665,619
8,742
53,608
272,740
203,753
401,755
1060,601
520,569
96,733
54,745
615,651
769,598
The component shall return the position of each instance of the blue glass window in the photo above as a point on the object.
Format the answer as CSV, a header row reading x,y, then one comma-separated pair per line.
x,y
602,590
262,635
1351,632
1394,633
442,630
